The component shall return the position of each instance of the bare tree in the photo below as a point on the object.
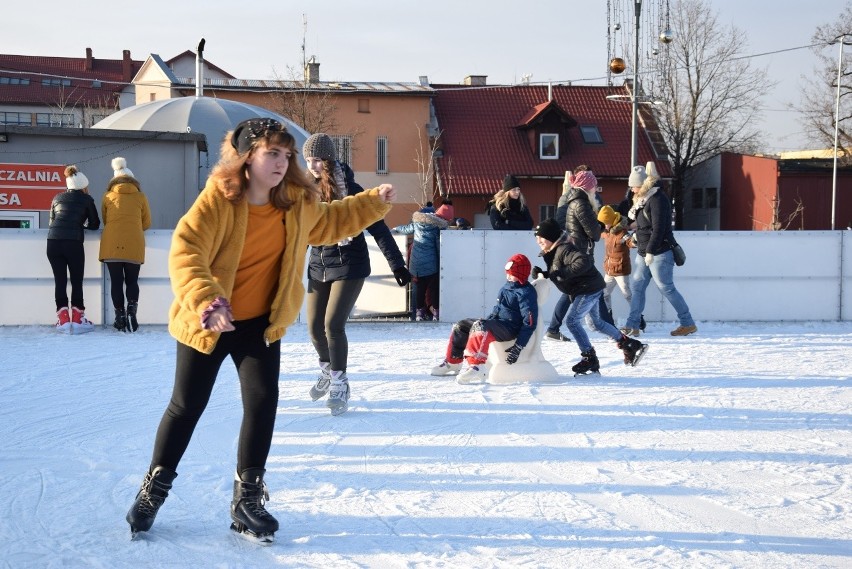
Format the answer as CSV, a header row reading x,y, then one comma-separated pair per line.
x,y
424,156
311,107
710,93
819,93
778,223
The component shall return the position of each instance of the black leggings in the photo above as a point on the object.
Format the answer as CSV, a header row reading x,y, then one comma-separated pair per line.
x,y
66,256
329,306
123,275
258,368
428,285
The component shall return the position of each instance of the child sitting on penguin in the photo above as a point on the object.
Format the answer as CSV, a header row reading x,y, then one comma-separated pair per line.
x,y
514,317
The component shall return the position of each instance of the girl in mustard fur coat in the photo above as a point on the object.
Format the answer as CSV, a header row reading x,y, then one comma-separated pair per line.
x,y
236,265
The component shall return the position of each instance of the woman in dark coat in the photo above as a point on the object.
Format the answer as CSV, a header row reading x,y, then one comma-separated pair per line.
x,y
508,209
336,274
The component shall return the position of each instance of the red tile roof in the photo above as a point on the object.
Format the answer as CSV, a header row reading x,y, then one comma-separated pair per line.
x,y
483,136
113,75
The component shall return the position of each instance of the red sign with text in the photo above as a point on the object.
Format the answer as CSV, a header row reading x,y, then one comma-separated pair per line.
x,y
30,186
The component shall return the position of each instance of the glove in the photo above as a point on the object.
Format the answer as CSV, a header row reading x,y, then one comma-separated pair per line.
x,y
513,352
504,213
649,258
402,276
536,272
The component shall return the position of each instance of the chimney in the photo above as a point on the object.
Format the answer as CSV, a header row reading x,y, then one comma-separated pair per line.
x,y
312,71
199,69
126,66
89,62
475,80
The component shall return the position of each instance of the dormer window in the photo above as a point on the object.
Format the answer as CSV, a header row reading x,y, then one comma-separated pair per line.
x,y
591,134
548,146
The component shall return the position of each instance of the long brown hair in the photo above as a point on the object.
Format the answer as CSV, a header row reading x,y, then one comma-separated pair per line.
x,y
232,181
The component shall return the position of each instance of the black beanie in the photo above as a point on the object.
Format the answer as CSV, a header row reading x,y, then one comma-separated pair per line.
x,y
510,182
548,229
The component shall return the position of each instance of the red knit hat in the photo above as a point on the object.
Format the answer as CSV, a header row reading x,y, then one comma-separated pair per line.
x,y
446,211
519,267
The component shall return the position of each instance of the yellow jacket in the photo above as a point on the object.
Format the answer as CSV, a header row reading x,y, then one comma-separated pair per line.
x,y
208,241
125,215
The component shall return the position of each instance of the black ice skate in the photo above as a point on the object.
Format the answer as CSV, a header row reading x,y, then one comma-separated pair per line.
x,y
251,520
633,350
589,365
155,488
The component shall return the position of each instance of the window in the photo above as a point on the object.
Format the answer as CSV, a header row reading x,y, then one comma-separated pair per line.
x,y
344,148
591,134
711,198
16,118
382,155
549,145
54,119
546,211
14,81
697,198
363,105
48,82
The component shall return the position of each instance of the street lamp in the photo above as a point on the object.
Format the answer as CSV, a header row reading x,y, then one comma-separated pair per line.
x,y
633,134
841,39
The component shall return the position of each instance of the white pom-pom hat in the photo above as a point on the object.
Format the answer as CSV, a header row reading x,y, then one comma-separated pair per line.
x,y
119,167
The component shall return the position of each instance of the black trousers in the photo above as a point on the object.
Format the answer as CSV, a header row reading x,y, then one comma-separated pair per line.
x,y
123,276
66,256
328,308
258,367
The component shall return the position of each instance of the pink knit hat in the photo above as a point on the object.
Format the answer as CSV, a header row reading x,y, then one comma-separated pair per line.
x,y
585,180
446,211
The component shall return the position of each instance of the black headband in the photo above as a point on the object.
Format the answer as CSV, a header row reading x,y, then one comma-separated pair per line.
x,y
249,131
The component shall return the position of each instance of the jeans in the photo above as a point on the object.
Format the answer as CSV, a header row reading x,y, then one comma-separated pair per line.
x,y
661,270
559,313
588,304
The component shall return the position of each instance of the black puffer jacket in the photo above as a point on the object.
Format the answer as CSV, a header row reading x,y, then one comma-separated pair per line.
x,y
351,260
654,224
70,213
572,271
513,216
581,222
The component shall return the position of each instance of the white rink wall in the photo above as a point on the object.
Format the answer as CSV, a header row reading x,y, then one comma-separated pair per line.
x,y
728,276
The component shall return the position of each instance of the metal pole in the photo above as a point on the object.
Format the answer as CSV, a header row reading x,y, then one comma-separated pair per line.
x,y
635,98
836,130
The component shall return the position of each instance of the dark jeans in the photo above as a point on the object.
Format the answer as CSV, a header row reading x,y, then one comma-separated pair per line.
x,y
328,308
121,276
66,256
258,367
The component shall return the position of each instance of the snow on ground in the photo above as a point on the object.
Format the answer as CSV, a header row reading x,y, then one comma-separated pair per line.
x,y
730,448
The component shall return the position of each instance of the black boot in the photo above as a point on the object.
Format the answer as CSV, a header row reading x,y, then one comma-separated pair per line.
x,y
247,511
632,348
589,363
155,488
642,322
120,320
132,324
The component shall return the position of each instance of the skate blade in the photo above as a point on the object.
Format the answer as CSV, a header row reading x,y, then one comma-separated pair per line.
x,y
581,374
638,357
338,409
80,329
260,539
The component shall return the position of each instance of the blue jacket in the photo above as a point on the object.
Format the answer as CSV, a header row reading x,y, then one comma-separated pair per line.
x,y
517,309
351,260
426,248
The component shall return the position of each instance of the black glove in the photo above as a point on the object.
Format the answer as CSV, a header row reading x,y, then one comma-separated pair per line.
x,y
513,352
504,213
537,271
402,276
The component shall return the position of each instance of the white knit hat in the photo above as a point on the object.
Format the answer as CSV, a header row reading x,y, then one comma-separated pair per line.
x,y
119,167
74,179
637,176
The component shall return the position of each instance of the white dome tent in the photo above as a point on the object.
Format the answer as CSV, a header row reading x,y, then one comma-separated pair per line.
x,y
209,116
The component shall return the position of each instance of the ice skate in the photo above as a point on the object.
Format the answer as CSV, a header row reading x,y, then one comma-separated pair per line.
x,y
250,518
633,350
473,374
63,320
338,394
154,491
446,368
558,336
320,388
79,323
120,322
589,365
132,324
631,331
